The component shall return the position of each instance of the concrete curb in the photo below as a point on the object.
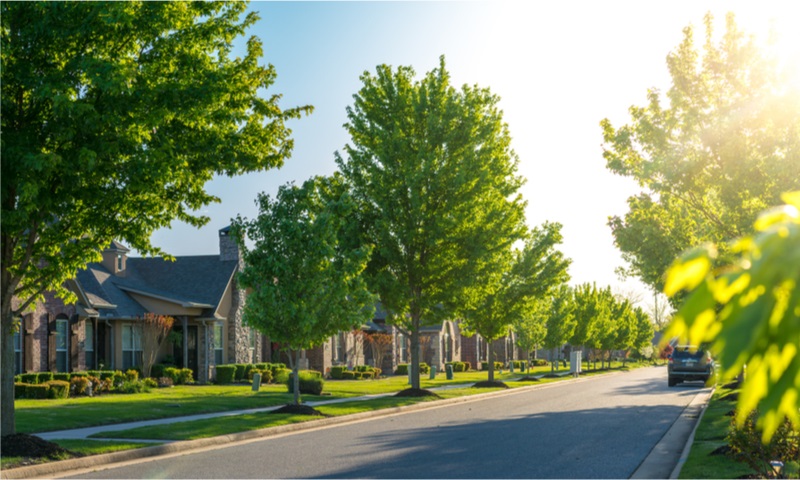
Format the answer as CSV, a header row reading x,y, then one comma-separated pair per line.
x,y
688,447
71,466
668,455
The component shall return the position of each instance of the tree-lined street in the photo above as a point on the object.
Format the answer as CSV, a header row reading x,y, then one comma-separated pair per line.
x,y
599,427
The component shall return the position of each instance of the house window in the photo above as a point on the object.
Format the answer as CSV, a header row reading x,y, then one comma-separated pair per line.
x,y
253,338
17,352
337,349
218,329
403,348
88,344
131,346
62,327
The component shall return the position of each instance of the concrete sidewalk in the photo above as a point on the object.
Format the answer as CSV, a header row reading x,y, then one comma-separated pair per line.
x,y
84,433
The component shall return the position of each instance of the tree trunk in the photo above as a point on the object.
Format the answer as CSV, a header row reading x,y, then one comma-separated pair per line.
x,y
294,362
7,422
490,362
415,383
529,362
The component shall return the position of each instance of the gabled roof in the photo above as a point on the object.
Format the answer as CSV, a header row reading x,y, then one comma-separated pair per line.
x,y
194,282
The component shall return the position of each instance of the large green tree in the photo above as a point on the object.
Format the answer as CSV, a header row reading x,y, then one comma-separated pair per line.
x,y
561,320
510,287
592,316
434,172
306,283
115,115
722,148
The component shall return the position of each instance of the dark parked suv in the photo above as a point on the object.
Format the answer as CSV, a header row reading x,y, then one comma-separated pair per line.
x,y
689,363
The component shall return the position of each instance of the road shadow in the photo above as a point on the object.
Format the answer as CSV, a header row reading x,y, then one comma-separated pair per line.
x,y
648,387
596,443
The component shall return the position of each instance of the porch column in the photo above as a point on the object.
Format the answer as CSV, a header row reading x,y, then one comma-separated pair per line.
x,y
185,325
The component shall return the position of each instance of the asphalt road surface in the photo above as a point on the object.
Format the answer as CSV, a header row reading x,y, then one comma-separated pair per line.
x,y
598,427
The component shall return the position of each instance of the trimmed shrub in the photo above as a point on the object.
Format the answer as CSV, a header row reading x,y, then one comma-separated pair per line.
x,y
336,372
58,389
150,383
185,376
240,371
367,375
402,369
78,385
37,391
44,377
17,378
225,374
132,387
458,366
467,366
164,382
281,375
262,366
118,378
376,372
497,365
132,375
424,368
347,375
30,378
93,373
20,390
266,376
63,377
172,372
539,362
78,374
311,382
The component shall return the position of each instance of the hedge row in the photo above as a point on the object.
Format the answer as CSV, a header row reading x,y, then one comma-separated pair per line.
x,y
460,366
497,365
310,383
51,389
402,369
240,372
358,373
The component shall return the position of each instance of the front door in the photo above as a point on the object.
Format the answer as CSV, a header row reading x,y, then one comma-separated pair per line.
x,y
191,346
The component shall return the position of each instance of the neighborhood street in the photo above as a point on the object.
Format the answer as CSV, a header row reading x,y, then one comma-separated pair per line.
x,y
597,427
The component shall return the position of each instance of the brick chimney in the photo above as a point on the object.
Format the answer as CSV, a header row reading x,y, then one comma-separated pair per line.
x,y
228,248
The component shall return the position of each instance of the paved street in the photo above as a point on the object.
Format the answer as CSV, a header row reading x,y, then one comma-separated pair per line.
x,y
602,427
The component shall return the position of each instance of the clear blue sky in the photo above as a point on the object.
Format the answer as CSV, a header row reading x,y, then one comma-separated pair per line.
x,y
560,67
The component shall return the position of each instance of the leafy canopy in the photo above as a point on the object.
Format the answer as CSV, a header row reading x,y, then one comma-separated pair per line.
x,y
115,115
722,149
749,312
306,284
433,171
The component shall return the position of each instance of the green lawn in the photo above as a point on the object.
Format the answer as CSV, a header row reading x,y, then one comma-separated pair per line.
x,y
709,436
80,448
33,416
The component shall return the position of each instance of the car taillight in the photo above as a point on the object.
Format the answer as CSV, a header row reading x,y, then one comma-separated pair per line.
x,y
671,360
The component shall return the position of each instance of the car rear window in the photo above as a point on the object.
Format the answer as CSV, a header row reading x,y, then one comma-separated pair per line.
x,y
698,354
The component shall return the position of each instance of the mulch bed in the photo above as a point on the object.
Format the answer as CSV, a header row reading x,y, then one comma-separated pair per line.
x,y
492,384
29,446
301,409
416,392
723,450
528,379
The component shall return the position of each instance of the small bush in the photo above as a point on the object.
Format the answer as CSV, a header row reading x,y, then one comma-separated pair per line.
x,y
336,372
107,374
150,383
424,368
37,391
240,368
132,375
347,375
497,365
93,373
225,374
132,387
311,382
164,382
17,378
78,374
118,378
172,372
367,375
281,375
185,376
262,366
20,390
79,385
266,376
467,366
376,372
247,368
58,389
44,377
539,362
458,366
402,369
100,386
30,378
63,377
745,442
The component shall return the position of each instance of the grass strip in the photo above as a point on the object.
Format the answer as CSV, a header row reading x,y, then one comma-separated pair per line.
x,y
709,436
80,447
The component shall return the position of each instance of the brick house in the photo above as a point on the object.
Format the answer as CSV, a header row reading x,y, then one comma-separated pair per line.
x,y
102,329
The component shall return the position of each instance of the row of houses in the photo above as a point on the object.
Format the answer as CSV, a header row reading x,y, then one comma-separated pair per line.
x,y
101,330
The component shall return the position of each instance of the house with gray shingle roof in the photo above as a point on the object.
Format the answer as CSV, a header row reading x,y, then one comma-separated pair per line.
x,y
103,328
